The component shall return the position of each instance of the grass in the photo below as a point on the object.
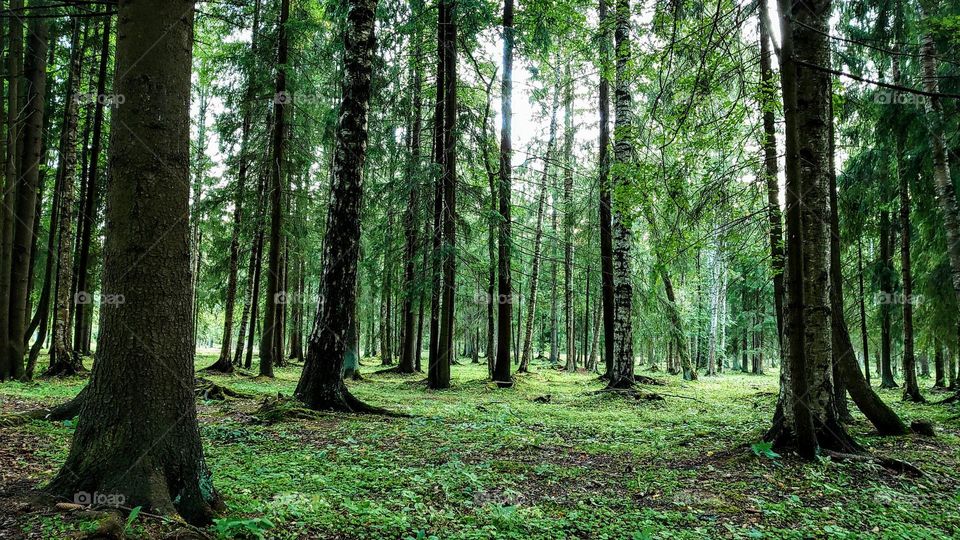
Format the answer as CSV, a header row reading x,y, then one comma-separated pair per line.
x,y
547,459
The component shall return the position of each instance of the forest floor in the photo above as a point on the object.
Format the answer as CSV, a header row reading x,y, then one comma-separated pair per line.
x,y
550,458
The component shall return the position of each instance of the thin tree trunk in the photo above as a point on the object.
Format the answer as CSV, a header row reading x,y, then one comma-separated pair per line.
x,y
271,318
606,217
863,315
538,240
501,368
63,360
569,320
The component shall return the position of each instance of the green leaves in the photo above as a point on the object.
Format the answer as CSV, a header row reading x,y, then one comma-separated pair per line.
x,y
764,449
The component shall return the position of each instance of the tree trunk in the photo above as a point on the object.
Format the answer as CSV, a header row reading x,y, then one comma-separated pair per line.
x,y
321,384
63,359
408,350
863,315
946,192
806,415
622,374
26,196
272,307
501,368
224,362
768,84
886,297
137,435
8,369
938,378
606,219
89,220
569,317
538,241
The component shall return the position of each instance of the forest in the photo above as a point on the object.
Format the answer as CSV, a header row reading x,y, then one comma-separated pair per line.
x,y
479,269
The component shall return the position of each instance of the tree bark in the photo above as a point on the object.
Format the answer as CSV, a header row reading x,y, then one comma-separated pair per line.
x,y
408,348
137,435
224,363
26,196
569,317
622,375
271,314
501,367
863,315
9,369
63,359
806,416
321,383
538,241
886,297
770,170
606,217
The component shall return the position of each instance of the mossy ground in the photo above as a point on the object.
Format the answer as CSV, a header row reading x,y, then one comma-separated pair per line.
x,y
479,462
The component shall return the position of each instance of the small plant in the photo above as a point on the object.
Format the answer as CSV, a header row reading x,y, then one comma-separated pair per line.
x,y
764,449
242,528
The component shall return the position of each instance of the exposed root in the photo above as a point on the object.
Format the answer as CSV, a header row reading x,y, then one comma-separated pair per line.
x,y
280,409
650,381
59,413
211,391
896,465
631,392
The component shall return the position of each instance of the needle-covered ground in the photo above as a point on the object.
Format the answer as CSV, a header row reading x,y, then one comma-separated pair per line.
x,y
550,458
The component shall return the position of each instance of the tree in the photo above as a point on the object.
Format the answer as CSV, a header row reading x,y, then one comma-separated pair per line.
x,y
271,350
137,434
606,218
26,197
622,374
321,383
501,369
808,418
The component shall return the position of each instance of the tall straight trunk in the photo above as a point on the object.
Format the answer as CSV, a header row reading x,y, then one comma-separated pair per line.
x,y
946,192
91,202
8,368
886,296
63,360
569,320
554,267
676,329
538,240
622,375
911,390
249,314
501,368
606,232
296,309
863,315
806,414
257,271
26,196
439,376
224,362
386,292
434,370
137,434
410,294
271,313
321,383
770,171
